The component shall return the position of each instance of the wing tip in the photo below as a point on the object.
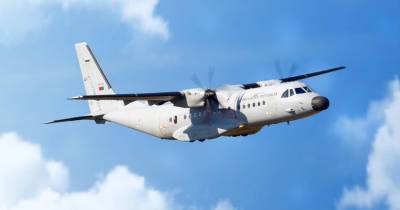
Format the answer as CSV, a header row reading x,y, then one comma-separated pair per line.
x,y
340,67
76,98
81,44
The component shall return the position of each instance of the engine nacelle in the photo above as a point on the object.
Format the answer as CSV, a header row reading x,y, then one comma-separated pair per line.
x,y
195,97
224,96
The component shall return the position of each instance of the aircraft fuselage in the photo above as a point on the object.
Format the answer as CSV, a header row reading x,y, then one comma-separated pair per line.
x,y
248,112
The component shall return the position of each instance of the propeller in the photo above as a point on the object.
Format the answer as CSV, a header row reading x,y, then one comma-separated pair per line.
x,y
210,95
278,68
292,69
211,73
196,80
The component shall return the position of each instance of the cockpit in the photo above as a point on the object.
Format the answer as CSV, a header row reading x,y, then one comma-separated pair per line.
x,y
296,91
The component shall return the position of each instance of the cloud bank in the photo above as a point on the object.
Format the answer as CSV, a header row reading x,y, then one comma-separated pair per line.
x,y
24,173
28,181
383,169
18,18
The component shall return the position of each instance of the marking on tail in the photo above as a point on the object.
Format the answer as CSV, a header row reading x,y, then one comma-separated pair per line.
x,y
95,81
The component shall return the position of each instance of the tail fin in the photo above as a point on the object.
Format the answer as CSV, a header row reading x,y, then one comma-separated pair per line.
x,y
95,81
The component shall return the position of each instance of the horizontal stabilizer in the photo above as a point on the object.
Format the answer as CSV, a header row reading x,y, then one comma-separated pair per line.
x,y
87,117
166,96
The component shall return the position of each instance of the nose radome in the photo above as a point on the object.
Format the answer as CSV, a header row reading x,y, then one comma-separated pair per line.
x,y
320,103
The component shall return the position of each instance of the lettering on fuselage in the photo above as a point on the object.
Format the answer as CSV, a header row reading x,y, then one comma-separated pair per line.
x,y
260,96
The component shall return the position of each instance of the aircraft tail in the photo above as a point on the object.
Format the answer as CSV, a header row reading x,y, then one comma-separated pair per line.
x,y
95,81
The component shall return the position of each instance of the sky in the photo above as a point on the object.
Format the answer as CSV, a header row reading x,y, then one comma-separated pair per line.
x,y
347,157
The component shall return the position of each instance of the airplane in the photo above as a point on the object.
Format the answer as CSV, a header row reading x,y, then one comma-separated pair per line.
x,y
197,114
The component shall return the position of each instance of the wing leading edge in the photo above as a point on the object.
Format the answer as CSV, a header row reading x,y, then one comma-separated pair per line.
x,y
313,74
296,78
164,96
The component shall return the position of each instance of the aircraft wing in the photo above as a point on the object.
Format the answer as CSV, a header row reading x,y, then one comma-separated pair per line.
x,y
296,78
313,74
163,96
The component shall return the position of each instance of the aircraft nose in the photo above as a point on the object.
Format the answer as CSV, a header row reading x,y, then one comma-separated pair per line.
x,y
320,103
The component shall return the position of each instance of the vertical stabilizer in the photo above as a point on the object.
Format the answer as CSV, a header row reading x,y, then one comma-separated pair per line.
x,y
95,81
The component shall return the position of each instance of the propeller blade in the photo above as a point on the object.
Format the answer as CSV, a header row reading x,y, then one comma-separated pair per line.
x,y
292,70
196,80
313,74
278,68
211,73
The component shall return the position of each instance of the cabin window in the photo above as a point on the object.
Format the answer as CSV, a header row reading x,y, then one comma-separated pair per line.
x,y
254,104
170,119
307,89
184,117
291,92
248,105
264,103
300,91
285,94
244,106
176,119
259,104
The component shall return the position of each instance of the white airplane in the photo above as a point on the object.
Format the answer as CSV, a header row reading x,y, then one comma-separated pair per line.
x,y
198,114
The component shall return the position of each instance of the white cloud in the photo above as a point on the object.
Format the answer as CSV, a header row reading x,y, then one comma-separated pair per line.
x,y
139,14
224,205
383,169
29,182
18,18
24,172
357,130
120,190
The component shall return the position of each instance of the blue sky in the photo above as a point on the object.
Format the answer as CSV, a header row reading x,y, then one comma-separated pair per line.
x,y
307,165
